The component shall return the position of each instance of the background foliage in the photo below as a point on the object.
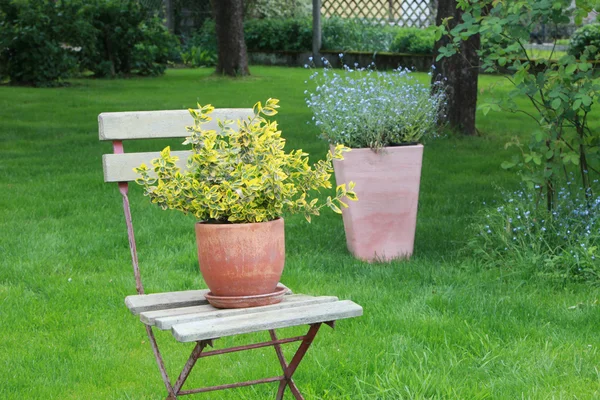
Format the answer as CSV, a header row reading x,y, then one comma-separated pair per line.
x,y
562,91
549,227
339,34
277,9
34,49
278,34
127,38
583,39
44,42
413,41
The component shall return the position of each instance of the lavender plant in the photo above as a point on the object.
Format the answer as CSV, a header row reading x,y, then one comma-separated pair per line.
x,y
367,108
560,243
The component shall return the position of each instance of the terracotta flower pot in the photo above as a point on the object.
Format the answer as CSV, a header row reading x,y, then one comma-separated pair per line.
x,y
380,226
241,259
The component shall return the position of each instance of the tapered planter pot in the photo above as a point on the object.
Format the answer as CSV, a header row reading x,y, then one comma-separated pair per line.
x,y
380,226
242,262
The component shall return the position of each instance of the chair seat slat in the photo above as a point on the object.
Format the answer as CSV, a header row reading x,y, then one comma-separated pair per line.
x,y
201,313
159,301
140,303
253,322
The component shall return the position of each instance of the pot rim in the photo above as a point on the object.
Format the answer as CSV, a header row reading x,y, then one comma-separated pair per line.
x,y
227,224
407,146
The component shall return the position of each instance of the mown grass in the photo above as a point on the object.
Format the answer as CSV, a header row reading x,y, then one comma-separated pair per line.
x,y
435,327
545,54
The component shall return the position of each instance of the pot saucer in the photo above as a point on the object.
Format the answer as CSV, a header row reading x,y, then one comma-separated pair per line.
x,y
247,301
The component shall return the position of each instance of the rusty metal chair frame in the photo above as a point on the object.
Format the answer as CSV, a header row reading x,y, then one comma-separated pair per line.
x,y
175,390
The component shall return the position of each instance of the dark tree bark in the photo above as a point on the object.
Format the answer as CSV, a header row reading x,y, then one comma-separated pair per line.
x,y
459,73
229,18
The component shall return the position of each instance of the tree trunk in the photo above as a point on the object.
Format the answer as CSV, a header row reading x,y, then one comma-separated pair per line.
x,y
316,25
169,14
229,18
459,73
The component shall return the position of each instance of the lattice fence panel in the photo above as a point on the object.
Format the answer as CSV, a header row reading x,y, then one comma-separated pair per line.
x,y
410,13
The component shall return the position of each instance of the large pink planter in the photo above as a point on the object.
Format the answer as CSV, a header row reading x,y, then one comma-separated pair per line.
x,y
380,226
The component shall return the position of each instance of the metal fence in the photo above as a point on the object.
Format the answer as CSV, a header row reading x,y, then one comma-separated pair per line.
x,y
408,13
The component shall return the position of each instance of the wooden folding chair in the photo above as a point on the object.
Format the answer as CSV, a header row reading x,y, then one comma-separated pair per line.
x,y
187,313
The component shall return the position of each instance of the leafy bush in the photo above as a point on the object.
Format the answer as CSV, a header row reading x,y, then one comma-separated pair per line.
x,y
278,34
584,37
563,92
200,50
156,49
262,9
198,57
353,34
414,41
366,108
521,233
39,39
128,38
264,35
242,175
340,34
205,37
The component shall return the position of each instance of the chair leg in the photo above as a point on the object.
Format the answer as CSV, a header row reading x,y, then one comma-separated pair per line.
x,y
280,356
283,363
161,364
285,381
189,365
288,370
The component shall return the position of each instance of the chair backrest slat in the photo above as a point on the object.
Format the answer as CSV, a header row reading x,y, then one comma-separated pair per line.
x,y
158,124
119,167
119,126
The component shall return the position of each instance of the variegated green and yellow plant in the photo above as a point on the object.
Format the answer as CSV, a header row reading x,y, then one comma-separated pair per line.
x,y
242,175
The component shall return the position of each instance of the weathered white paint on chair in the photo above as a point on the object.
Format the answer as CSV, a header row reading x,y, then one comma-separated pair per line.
x,y
119,167
159,301
262,321
139,303
159,124
207,312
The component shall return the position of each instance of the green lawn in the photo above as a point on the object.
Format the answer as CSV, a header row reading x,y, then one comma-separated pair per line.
x,y
435,327
546,54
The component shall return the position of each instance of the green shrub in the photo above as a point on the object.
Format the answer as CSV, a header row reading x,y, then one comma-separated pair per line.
x,y
128,38
278,34
413,41
490,42
520,233
196,56
156,49
260,35
264,9
39,39
339,34
585,37
352,34
205,38
200,50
